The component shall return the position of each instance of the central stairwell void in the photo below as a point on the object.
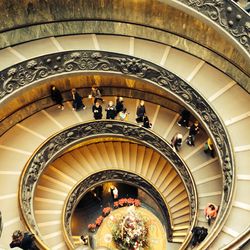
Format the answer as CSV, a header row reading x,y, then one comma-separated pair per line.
x,y
99,198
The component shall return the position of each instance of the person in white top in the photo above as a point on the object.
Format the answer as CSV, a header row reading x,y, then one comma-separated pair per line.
x,y
176,141
114,192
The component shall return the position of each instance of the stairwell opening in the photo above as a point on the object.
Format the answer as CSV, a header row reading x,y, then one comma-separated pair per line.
x,y
97,201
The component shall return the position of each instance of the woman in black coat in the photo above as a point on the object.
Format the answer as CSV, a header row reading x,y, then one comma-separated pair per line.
x,y
146,123
140,112
77,100
184,120
24,240
56,96
119,105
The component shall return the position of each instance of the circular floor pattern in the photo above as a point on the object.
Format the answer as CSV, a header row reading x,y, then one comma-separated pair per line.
x,y
157,235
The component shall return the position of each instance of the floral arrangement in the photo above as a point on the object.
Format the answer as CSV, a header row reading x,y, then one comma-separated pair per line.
x,y
99,220
127,202
130,233
91,227
106,211
137,203
116,204
131,201
122,202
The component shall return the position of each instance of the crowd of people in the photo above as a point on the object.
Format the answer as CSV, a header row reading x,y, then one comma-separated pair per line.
x,y
194,130
119,111
113,111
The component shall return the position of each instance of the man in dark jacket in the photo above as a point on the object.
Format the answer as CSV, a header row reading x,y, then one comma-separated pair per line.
x,y
184,120
194,130
77,100
111,111
119,105
96,93
56,96
97,111
23,240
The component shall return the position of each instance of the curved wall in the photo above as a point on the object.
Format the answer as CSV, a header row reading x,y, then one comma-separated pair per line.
x,y
146,19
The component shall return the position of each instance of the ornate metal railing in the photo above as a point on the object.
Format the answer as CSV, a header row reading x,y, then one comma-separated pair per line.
x,y
224,13
42,68
57,144
84,186
227,15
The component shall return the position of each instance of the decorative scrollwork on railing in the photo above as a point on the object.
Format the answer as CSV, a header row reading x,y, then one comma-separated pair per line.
x,y
111,175
42,68
227,15
60,142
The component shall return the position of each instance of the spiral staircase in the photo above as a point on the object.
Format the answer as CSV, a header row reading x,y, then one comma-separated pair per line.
x,y
68,170
229,100
63,174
